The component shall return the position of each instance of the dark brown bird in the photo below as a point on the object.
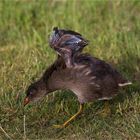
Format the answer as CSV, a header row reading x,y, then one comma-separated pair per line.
x,y
67,43
89,79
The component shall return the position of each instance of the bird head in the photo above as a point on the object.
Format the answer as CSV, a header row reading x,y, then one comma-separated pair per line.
x,y
35,92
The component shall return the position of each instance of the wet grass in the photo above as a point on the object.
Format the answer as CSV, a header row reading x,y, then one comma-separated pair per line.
x,y
113,29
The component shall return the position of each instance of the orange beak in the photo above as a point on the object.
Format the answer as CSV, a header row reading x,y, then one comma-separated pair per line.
x,y
26,101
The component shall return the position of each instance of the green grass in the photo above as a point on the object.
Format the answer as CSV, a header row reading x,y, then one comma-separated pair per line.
x,y
113,28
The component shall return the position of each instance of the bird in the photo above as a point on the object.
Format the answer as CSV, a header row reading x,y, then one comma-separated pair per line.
x,y
67,43
90,79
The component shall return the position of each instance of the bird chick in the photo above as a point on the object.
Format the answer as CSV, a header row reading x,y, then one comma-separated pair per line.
x,y
90,79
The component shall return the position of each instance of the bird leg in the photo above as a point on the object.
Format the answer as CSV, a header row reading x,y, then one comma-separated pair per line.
x,y
71,119
106,110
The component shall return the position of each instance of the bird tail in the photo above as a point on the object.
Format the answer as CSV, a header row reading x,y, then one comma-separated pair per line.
x,y
124,84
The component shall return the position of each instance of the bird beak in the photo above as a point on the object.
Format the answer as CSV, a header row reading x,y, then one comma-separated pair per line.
x,y
26,101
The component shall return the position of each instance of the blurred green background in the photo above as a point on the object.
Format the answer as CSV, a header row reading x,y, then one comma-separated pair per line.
x,y
113,28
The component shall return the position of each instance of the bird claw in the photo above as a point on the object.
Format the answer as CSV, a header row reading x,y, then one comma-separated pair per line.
x,y
59,126
104,114
106,111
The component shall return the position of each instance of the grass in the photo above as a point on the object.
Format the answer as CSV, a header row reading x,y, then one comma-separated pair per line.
x,y
113,29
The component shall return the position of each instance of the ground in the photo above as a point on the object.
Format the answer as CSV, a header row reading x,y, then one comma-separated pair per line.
x,y
113,28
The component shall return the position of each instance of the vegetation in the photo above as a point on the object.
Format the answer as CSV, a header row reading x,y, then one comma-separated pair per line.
x,y
113,28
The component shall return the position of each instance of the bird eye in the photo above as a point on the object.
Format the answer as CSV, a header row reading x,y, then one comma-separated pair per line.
x,y
31,93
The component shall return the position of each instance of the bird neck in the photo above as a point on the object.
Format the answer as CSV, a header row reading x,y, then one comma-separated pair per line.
x,y
56,82
53,77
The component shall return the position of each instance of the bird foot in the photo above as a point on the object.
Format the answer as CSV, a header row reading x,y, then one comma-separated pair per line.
x,y
106,111
71,119
59,126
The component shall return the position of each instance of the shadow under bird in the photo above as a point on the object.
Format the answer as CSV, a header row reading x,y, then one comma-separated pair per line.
x,y
89,79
